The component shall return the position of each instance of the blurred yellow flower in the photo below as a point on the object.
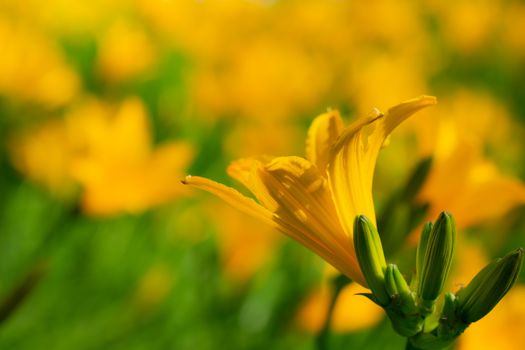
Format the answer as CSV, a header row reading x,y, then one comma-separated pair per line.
x,y
109,153
124,51
352,312
472,116
265,79
118,168
262,136
468,24
43,154
33,68
470,187
513,33
405,76
244,245
315,200
462,180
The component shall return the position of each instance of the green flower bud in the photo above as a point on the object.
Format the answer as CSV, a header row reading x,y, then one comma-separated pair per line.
x,y
422,247
371,257
398,289
437,260
390,281
488,287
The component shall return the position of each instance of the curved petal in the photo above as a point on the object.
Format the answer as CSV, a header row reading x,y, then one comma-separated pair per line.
x,y
353,158
246,171
305,211
321,135
232,197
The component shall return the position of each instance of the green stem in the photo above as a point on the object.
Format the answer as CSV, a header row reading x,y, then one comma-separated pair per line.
x,y
22,290
337,285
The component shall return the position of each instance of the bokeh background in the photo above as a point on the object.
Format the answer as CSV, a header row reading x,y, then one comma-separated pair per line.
x,y
105,105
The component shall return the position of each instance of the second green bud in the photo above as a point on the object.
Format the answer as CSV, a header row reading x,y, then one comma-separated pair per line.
x,y
437,245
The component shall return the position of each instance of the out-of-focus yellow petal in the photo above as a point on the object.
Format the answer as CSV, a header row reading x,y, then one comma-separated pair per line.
x,y
131,131
306,211
322,134
125,51
43,154
353,158
232,197
351,313
245,245
476,190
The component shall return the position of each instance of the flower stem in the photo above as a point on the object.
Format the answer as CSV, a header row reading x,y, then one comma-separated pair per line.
x,y
22,290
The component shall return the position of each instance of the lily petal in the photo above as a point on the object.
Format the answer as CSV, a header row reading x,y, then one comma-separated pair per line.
x,y
321,135
246,171
353,158
306,212
232,197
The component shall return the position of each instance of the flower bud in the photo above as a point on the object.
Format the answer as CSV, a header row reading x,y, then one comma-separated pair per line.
x,y
397,288
437,260
488,287
371,258
422,246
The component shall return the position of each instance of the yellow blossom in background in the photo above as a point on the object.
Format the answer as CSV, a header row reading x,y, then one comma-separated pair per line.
x,y
125,51
245,245
513,33
470,187
265,136
315,200
286,79
472,116
471,258
352,312
58,17
405,77
33,68
43,155
109,152
260,64
462,179
468,24
118,168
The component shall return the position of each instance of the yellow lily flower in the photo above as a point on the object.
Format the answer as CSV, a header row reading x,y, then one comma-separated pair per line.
x,y
109,152
315,200
119,168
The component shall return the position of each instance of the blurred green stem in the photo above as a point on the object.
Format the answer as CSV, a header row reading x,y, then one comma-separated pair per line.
x,y
19,293
336,286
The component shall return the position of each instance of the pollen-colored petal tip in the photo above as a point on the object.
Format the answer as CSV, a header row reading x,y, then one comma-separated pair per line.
x,y
186,180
